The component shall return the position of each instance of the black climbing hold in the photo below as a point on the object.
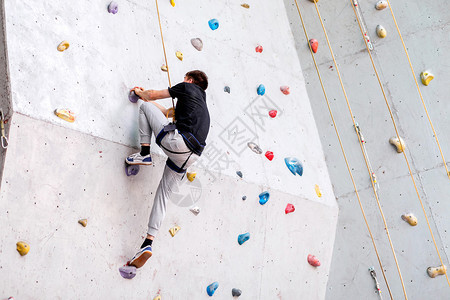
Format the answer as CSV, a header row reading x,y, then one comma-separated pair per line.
x,y
236,292
244,198
227,89
131,170
239,173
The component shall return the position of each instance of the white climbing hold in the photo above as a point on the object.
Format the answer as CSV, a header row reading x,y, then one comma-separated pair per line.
x,y
399,144
197,43
195,210
381,31
435,271
410,219
381,5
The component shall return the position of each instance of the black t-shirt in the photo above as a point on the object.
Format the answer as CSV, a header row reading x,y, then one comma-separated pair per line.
x,y
191,112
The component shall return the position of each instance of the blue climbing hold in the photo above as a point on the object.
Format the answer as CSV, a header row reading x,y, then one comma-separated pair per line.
x,y
213,24
261,89
212,288
239,173
242,238
263,198
294,165
131,170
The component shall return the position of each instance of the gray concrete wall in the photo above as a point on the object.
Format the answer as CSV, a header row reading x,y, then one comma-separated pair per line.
x,y
424,26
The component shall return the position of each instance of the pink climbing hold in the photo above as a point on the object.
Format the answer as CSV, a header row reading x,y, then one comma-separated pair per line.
x,y
273,113
289,208
285,90
314,45
259,49
269,155
313,261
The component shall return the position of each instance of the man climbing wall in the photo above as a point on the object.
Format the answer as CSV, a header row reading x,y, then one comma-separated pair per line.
x,y
182,141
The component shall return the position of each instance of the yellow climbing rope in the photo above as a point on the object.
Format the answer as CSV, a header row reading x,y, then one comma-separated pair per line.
x,y
362,150
343,153
398,136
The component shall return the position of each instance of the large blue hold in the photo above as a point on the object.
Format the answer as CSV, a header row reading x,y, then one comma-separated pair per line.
x,y
263,198
212,288
213,24
261,90
294,165
242,238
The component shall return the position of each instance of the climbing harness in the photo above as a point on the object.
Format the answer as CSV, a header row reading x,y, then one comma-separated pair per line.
x,y
2,125
377,284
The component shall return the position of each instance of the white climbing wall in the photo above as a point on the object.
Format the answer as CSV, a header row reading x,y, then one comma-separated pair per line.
x,y
56,173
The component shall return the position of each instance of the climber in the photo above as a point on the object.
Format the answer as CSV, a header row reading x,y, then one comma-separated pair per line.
x,y
182,141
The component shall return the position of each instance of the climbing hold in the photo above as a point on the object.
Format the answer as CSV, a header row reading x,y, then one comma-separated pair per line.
x,y
381,5
157,297
22,248
264,197
255,148
197,43
426,77
259,49
83,222
65,114
191,176
245,5
172,2
174,230
261,90
285,90
242,238
289,208
227,89
236,292
195,210
314,45
294,165
269,155
273,113
131,170
313,261
244,198
435,271
179,55
132,95
213,24
127,272
164,68
314,1
399,144
113,8
64,45
410,219
239,173
381,31
318,192
212,288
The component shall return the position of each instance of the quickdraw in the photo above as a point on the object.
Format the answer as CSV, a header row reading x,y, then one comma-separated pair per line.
x,y
2,124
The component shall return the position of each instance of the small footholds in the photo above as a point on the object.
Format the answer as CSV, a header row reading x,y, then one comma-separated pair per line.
x,y
236,292
399,144
174,230
179,55
318,192
259,49
269,155
197,43
264,197
239,173
314,45
164,68
64,45
172,2
289,208
113,7
313,261
83,222
261,90
127,272
245,5
210,289
410,219
435,271
294,165
242,238
426,77
227,89
381,31
381,5
213,24
255,148
273,113
66,115
195,210
132,170
191,176
244,198
22,248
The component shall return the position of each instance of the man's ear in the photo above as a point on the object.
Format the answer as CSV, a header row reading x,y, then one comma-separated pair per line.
x,y
190,80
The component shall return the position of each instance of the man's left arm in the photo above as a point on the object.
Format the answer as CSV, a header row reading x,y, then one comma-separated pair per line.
x,y
152,95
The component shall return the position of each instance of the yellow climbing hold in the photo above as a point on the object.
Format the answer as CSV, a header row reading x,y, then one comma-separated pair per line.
x,y
22,248
318,192
64,45
410,219
174,230
245,5
179,55
83,222
399,144
157,297
435,271
381,5
191,176
381,31
426,77
65,114
164,68
172,2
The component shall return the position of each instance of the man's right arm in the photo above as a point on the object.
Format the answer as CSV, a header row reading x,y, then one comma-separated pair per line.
x,y
152,95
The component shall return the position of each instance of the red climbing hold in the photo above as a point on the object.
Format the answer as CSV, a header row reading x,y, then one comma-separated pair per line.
x,y
313,261
269,155
314,45
285,90
289,208
273,113
259,49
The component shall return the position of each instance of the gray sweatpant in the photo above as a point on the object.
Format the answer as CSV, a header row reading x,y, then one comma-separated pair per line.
x,y
152,120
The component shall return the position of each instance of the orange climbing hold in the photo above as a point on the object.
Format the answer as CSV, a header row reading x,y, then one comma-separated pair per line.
x,y
65,114
245,5
314,45
64,45
164,68
22,248
285,90
289,208
410,219
172,2
435,271
83,222
313,261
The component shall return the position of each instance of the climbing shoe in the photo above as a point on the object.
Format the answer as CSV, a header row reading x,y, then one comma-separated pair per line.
x,y
141,257
138,159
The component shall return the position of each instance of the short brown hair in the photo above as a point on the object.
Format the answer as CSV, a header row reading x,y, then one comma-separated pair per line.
x,y
199,78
